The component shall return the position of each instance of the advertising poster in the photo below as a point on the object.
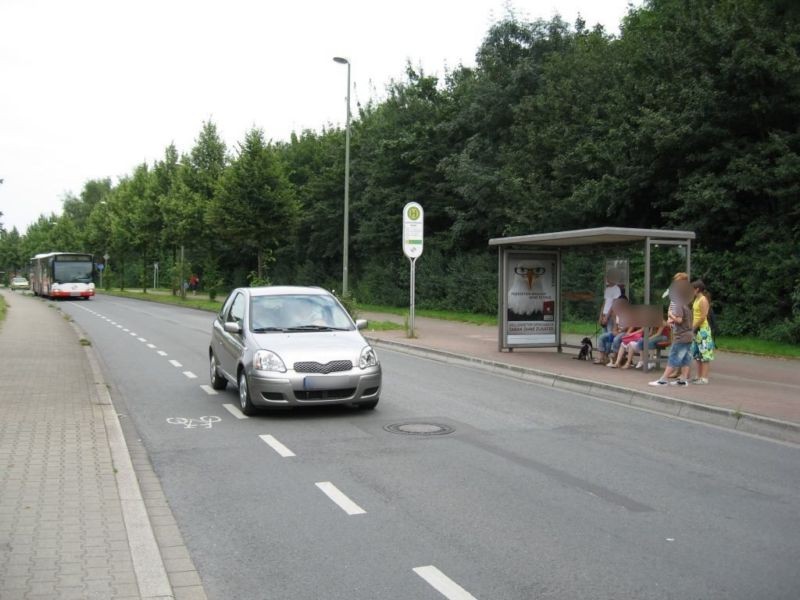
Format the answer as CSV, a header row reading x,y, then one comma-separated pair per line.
x,y
531,283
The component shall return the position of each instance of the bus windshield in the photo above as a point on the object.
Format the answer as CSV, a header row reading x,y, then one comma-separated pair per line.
x,y
72,271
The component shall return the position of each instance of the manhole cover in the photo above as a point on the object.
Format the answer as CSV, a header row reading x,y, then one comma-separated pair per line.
x,y
419,428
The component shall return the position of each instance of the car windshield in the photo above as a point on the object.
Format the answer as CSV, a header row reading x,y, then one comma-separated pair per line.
x,y
73,272
297,312
19,280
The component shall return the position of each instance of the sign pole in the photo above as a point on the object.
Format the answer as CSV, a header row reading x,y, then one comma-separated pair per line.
x,y
413,286
413,229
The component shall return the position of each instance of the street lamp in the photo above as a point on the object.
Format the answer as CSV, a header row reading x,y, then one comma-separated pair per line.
x,y
344,61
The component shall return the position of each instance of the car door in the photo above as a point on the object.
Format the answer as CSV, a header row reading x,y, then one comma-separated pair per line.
x,y
218,332
232,344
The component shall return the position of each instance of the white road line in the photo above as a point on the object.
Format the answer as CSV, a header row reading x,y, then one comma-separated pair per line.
x,y
277,446
231,408
208,390
133,334
162,353
175,363
126,330
141,340
119,327
332,492
443,584
190,375
153,346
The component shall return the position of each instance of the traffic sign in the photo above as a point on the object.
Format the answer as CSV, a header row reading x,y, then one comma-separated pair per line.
x,y
413,230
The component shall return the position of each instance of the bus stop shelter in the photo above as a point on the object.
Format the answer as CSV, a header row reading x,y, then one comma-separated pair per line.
x,y
530,278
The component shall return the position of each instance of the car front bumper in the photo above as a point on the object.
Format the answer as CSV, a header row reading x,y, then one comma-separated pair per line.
x,y
303,389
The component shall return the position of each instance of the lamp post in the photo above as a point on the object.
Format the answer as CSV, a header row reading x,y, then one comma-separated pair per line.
x,y
344,61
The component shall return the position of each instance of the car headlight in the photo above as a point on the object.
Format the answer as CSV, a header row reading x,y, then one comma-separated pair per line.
x,y
264,360
368,358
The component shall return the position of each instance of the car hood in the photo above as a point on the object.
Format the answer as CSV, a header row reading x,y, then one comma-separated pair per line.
x,y
318,346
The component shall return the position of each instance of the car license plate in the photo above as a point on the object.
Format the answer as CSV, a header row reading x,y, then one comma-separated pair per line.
x,y
316,382
74,293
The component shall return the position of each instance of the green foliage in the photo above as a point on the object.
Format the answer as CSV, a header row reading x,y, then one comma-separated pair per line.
x,y
254,209
349,303
257,280
688,119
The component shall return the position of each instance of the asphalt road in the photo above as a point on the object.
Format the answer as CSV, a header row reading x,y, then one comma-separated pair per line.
x,y
536,493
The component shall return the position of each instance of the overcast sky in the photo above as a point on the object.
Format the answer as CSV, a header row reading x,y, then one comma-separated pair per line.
x,y
89,89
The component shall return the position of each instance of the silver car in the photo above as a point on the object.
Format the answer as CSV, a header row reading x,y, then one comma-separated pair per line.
x,y
19,283
292,346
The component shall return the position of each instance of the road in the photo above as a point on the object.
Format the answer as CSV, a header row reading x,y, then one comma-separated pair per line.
x,y
535,493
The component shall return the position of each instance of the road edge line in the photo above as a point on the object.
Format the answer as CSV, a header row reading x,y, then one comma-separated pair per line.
x,y
752,424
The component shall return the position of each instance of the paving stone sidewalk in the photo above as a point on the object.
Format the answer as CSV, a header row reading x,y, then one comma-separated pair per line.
x,y
63,531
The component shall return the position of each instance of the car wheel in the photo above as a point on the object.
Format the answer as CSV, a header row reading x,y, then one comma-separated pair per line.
x,y
368,405
245,405
217,381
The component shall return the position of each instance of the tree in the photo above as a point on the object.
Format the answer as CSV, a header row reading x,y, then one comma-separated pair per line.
x,y
254,210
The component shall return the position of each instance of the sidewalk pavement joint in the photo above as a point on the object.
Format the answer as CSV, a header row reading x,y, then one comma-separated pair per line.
x,y
785,431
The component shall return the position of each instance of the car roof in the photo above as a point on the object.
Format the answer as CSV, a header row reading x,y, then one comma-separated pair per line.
x,y
286,290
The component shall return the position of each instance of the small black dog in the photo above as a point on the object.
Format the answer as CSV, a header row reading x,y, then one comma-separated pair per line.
x,y
586,350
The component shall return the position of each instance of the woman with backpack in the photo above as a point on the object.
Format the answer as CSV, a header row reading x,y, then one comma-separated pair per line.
x,y
703,342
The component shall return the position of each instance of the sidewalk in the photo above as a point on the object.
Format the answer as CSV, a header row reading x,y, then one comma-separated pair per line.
x,y
751,393
73,523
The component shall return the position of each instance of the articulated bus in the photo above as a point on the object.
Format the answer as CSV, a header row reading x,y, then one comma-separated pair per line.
x,y
62,275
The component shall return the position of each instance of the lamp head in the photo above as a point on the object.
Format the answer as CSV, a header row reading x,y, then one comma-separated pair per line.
x,y
340,60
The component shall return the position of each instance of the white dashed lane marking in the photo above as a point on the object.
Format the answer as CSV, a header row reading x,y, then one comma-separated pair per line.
x,y
342,501
443,584
188,374
277,446
231,408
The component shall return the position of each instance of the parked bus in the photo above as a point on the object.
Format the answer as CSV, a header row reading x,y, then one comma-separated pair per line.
x,y
62,275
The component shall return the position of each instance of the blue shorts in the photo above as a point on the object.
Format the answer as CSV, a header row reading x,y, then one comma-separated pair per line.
x,y
680,355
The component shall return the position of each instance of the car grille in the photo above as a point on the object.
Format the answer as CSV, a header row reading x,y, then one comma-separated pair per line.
x,y
334,366
302,395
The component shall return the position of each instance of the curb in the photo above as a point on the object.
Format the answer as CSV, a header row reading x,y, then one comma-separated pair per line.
x,y
785,431
148,564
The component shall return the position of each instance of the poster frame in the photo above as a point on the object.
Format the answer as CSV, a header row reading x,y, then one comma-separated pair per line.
x,y
505,255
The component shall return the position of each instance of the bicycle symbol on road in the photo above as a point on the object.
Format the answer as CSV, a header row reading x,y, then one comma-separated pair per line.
x,y
192,423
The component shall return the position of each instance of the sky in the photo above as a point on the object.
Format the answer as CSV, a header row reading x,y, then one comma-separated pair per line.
x,y
91,88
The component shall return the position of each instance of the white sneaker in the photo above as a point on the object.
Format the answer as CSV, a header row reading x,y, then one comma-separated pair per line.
x,y
658,382
700,381
638,365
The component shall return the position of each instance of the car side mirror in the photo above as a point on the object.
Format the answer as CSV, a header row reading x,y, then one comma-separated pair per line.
x,y
361,323
233,327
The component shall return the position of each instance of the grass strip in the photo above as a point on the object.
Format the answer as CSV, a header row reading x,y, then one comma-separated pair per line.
x,y
198,302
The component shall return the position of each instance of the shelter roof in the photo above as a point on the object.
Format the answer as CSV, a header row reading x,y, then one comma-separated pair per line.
x,y
598,235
